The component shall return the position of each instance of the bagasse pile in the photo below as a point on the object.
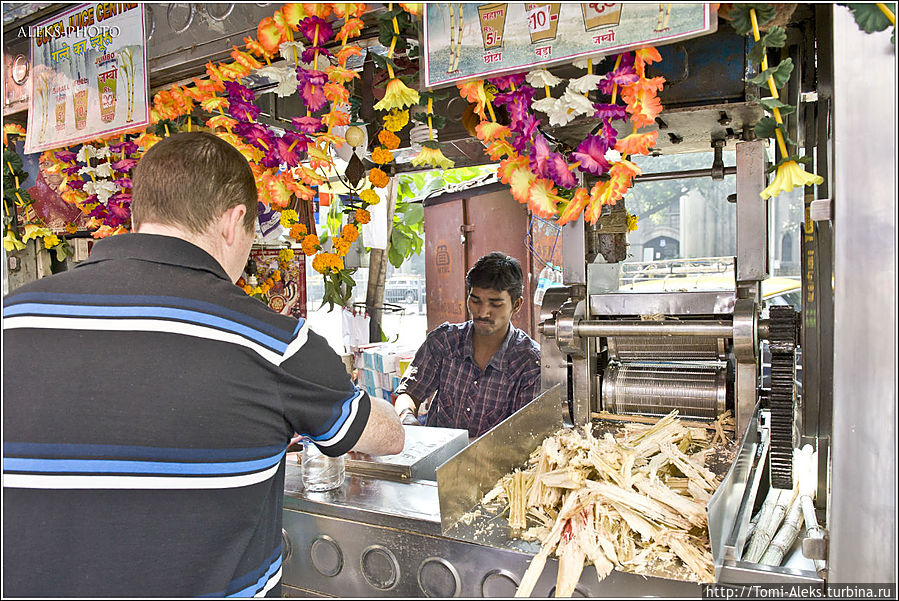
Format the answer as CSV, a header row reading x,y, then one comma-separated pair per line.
x,y
623,502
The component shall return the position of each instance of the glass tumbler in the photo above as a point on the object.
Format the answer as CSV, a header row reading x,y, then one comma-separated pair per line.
x,y
321,472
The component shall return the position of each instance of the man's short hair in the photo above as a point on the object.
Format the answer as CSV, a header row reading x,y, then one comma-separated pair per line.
x,y
497,271
188,180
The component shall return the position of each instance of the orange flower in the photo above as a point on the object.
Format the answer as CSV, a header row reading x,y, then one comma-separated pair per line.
x,y
412,9
297,231
378,178
381,155
310,245
369,196
234,71
645,56
209,87
327,262
474,92
362,216
488,131
248,289
245,59
215,103
221,121
256,48
346,52
317,9
351,28
575,207
276,275
637,143
341,75
215,74
542,199
335,118
343,10
270,35
350,232
336,93
642,102
292,13
389,139
341,246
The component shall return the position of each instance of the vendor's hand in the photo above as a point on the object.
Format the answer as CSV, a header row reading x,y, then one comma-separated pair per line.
x,y
408,419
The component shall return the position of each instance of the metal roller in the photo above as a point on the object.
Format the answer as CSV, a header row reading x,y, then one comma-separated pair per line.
x,y
669,348
697,392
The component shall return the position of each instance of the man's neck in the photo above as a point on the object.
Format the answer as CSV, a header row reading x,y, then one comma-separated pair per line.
x,y
484,347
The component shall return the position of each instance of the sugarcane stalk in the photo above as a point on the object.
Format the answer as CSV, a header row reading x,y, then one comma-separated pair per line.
x,y
785,537
773,511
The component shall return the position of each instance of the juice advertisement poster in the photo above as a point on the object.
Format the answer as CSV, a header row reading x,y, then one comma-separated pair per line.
x,y
89,75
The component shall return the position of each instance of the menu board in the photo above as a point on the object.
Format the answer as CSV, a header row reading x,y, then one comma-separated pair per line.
x,y
88,75
463,42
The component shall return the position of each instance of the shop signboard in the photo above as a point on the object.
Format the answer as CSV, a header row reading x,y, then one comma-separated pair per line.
x,y
463,42
89,75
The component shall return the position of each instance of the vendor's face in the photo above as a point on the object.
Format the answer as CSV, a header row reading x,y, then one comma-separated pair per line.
x,y
491,310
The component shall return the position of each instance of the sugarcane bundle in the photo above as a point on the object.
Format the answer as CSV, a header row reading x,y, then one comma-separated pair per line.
x,y
624,501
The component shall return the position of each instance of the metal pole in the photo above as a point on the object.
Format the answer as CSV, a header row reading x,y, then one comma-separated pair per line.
x,y
710,328
689,173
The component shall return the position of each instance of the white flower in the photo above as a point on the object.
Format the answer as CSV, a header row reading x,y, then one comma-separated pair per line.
x,y
86,170
291,51
612,155
577,103
103,152
541,77
104,170
581,63
102,188
86,153
555,109
285,76
584,84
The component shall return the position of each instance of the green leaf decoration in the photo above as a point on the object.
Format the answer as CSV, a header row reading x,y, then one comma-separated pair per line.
x,y
740,20
870,18
432,144
414,213
780,73
773,103
11,158
776,38
765,128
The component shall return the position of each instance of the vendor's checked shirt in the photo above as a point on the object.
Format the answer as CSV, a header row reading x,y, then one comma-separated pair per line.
x,y
468,397
147,406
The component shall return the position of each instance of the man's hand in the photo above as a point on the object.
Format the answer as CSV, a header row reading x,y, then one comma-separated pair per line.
x,y
408,418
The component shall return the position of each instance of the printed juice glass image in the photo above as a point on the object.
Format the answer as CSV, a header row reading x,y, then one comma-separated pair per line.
x,y
60,108
79,101
106,88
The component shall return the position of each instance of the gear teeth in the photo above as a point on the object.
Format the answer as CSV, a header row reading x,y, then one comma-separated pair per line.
x,y
783,337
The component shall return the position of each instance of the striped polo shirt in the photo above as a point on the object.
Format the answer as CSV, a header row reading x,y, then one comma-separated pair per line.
x,y
147,406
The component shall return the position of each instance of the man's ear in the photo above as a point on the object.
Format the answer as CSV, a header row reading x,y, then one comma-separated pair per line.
x,y
516,306
231,222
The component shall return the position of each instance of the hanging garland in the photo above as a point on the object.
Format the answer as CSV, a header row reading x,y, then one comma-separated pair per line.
x,y
529,161
745,19
16,201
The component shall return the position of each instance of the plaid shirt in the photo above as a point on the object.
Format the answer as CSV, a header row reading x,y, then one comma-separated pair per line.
x,y
468,397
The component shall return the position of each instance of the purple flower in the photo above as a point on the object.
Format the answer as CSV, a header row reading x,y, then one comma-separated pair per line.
x,y
75,184
72,170
242,111
312,87
307,125
525,129
100,211
610,111
255,134
271,158
308,54
518,103
506,82
609,133
236,91
92,199
557,170
591,154
118,209
316,30
127,147
65,156
621,76
125,182
124,165
290,147
538,156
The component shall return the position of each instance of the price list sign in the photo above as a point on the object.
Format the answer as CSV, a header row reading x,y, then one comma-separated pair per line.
x,y
462,41
89,75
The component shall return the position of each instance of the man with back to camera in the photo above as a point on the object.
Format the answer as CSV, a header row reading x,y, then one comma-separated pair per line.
x,y
147,458
482,370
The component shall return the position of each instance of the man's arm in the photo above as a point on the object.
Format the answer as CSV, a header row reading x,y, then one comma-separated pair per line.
x,y
383,433
406,408
420,379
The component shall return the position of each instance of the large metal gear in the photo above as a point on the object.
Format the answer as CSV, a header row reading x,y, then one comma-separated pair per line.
x,y
783,338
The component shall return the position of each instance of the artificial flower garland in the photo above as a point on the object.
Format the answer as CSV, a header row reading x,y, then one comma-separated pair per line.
x,y
528,162
790,173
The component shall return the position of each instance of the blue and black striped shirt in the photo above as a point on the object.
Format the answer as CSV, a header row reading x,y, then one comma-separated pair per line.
x,y
147,407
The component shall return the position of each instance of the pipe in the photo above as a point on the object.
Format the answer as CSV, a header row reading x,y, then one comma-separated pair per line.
x,y
712,328
657,177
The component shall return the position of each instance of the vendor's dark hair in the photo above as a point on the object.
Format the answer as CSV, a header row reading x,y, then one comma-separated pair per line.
x,y
188,180
497,271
